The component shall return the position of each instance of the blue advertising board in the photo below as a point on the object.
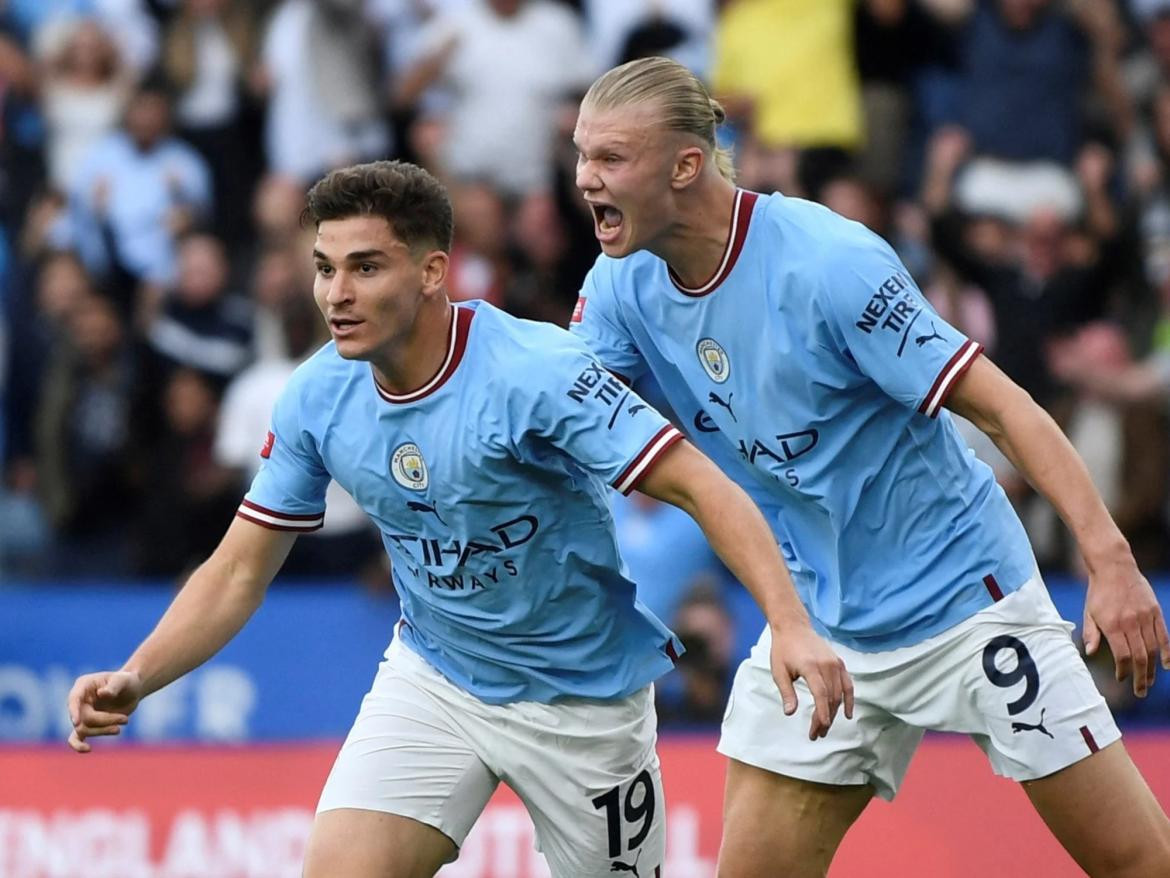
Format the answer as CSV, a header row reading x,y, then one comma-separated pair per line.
x,y
297,671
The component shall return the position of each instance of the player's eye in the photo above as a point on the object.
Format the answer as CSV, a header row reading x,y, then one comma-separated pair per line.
x,y
612,159
324,270
367,268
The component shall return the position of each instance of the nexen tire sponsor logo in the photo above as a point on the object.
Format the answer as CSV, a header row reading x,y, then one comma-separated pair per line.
x,y
891,304
595,381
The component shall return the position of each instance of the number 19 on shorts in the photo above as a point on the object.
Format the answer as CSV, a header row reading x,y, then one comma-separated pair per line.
x,y
637,809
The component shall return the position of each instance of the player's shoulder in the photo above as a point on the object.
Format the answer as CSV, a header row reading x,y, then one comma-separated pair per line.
x,y
812,240
636,271
322,377
807,223
506,339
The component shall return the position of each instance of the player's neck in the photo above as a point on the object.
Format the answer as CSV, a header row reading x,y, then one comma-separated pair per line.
x,y
695,245
404,368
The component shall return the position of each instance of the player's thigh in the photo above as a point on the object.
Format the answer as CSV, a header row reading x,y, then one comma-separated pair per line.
x,y
769,818
595,796
1103,813
355,843
407,757
1024,694
872,749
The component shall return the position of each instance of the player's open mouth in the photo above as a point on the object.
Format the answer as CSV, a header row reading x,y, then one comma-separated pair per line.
x,y
608,222
342,326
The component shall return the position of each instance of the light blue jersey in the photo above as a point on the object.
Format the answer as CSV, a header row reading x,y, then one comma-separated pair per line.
x,y
489,486
812,370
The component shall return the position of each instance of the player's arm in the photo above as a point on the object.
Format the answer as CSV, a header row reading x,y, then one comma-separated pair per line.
x,y
738,533
1120,603
221,595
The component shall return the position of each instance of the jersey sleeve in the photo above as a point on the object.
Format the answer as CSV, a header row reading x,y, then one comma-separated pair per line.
x,y
288,492
879,318
596,322
579,408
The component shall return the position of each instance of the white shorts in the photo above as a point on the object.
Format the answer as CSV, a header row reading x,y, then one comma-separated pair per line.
x,y
586,770
1010,677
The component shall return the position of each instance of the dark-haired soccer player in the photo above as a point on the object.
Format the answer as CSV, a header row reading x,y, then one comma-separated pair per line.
x,y
807,364
483,447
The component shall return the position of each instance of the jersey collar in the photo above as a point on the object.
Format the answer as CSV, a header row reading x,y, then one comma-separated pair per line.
x,y
456,344
741,216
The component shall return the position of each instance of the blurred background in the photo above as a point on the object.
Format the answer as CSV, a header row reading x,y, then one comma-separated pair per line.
x,y
155,294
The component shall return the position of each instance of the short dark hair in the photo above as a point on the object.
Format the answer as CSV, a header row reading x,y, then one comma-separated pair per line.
x,y
413,202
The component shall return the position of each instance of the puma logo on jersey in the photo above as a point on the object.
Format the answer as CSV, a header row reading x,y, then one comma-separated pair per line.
x,y
619,866
416,506
715,398
1018,727
923,339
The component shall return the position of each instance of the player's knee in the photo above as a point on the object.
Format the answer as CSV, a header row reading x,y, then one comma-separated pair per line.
x,y
1144,856
343,854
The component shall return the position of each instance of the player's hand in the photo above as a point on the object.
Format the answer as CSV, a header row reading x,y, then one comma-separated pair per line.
x,y
797,651
100,704
1121,606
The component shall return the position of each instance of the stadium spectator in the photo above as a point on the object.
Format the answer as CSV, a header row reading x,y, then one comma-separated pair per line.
x,y
506,65
191,496
85,452
620,30
1037,281
280,275
210,57
127,21
791,123
135,192
1026,68
543,283
201,323
480,266
898,44
1124,447
84,88
61,285
696,694
320,74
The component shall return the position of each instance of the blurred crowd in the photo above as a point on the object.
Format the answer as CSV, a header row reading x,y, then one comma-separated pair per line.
x,y
155,276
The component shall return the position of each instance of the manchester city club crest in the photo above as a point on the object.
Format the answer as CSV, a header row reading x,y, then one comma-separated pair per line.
x,y
714,360
408,467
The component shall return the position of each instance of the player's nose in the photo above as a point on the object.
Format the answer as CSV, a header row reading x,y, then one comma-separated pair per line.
x,y
586,176
340,289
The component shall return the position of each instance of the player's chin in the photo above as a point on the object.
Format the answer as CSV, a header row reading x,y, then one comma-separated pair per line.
x,y
349,349
616,246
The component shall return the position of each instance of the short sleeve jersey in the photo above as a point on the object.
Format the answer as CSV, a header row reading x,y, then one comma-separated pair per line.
x,y
489,486
811,368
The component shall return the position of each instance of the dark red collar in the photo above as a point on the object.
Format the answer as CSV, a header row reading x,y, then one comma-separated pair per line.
x,y
741,217
457,343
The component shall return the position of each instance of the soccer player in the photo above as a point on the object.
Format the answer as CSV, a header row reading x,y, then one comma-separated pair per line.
x,y
804,360
482,446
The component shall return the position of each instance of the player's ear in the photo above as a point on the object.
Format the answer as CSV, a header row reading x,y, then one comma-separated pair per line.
x,y
688,163
434,271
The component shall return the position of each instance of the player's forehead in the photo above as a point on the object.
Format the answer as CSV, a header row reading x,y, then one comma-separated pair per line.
x,y
337,238
629,125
